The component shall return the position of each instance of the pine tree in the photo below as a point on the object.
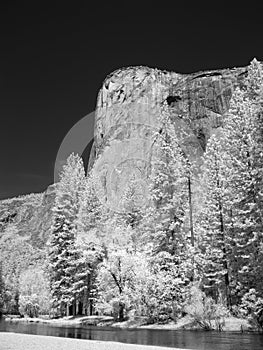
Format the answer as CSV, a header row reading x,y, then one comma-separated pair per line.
x,y
91,218
92,211
253,82
63,253
165,232
133,202
168,190
213,219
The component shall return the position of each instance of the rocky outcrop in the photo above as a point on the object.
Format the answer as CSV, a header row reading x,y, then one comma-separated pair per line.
x,y
128,107
31,214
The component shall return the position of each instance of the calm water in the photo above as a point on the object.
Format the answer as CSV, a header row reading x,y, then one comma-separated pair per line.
x,y
181,339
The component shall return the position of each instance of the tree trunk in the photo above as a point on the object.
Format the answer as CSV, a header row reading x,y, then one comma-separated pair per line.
x,y
191,223
191,211
74,308
90,307
121,312
225,264
77,307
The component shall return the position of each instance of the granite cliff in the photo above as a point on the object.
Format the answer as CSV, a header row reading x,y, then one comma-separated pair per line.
x,y
127,110
31,214
128,106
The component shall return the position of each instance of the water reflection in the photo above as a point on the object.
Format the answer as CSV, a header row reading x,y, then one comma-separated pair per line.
x,y
182,339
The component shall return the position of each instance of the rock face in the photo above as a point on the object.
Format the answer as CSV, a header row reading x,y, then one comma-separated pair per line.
x,y
127,111
128,107
31,214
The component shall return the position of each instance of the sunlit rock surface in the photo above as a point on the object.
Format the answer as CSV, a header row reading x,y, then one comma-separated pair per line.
x,y
31,215
128,106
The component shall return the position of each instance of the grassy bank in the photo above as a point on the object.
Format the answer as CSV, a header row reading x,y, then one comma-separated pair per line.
x,y
15,341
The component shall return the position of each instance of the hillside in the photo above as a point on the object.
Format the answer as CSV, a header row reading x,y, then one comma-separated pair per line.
x,y
31,214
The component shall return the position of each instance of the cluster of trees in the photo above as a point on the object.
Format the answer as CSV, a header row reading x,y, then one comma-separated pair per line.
x,y
163,257
22,269
229,222
233,204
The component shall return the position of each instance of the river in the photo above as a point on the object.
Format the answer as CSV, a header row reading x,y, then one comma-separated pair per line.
x,y
198,340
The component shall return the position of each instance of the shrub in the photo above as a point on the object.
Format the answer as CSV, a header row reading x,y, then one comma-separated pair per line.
x,y
28,306
252,308
205,311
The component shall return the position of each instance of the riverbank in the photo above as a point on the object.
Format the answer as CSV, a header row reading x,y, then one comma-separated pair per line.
x,y
15,341
65,321
232,324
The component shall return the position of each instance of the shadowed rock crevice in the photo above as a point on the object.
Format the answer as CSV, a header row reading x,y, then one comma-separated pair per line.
x,y
173,99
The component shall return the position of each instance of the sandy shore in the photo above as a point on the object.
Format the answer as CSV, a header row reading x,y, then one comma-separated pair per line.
x,y
15,341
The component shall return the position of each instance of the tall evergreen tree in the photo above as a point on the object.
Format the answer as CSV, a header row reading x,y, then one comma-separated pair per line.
x,y
91,218
165,221
212,221
133,201
63,253
168,190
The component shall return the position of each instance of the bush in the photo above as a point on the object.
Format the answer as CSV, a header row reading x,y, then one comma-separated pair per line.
x,y
252,308
162,290
205,311
28,306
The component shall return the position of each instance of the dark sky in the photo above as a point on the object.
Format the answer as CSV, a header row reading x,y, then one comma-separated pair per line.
x,y
55,56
